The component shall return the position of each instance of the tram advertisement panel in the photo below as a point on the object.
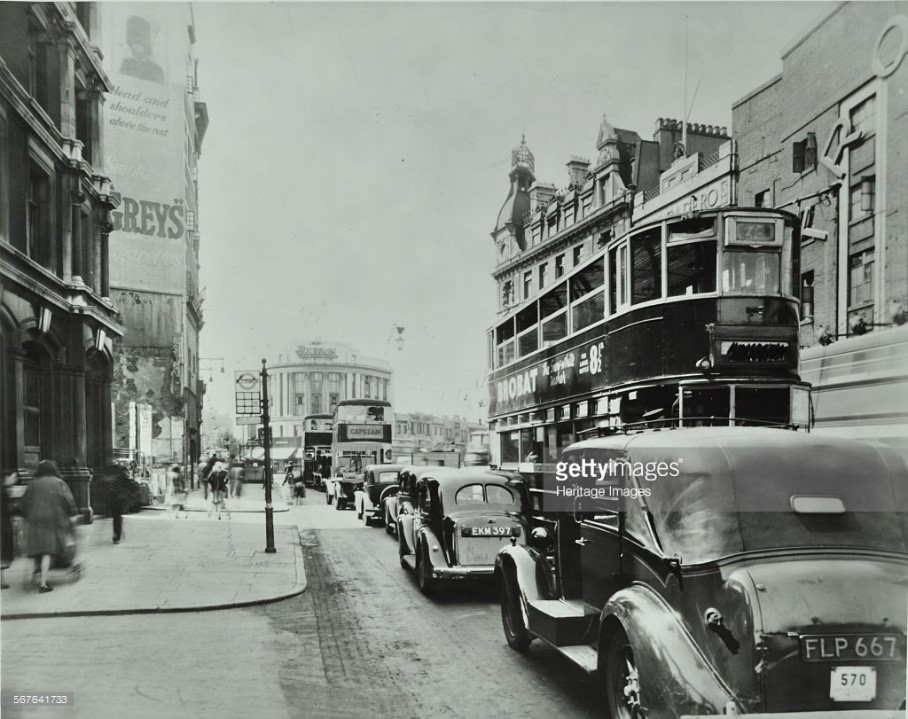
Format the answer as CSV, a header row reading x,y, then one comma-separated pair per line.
x,y
576,371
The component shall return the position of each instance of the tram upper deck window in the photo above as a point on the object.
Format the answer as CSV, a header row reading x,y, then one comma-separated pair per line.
x,y
504,339
691,260
585,284
646,266
617,268
527,330
552,311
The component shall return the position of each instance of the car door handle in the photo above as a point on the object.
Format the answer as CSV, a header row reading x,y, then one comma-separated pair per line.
x,y
582,542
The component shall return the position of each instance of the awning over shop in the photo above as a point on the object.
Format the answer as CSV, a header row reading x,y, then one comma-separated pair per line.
x,y
283,454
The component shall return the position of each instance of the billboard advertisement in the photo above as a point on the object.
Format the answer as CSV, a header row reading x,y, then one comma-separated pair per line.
x,y
145,51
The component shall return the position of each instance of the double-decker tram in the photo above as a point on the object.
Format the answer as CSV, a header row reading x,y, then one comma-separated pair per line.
x,y
317,445
361,434
687,321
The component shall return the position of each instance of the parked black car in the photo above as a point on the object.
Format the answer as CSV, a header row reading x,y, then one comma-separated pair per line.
x,y
769,576
380,481
460,519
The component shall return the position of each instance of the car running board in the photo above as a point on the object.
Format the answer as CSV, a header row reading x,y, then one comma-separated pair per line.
x,y
409,560
583,655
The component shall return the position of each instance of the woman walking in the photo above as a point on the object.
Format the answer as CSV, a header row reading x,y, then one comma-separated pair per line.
x,y
177,491
217,481
48,506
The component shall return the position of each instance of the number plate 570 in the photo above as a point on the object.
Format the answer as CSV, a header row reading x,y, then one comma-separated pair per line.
x,y
852,684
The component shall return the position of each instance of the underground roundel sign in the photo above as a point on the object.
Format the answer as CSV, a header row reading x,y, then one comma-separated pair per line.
x,y
247,381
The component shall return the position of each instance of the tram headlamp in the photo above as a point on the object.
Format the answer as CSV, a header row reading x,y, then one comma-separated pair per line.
x,y
704,364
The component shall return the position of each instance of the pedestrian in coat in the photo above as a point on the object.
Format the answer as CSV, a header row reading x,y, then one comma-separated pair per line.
x,y
176,486
235,479
7,536
217,483
48,506
120,491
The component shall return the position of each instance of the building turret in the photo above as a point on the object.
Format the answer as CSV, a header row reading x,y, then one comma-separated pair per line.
x,y
515,211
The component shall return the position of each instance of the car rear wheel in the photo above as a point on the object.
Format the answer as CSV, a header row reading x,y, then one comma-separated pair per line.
x,y
622,680
515,630
424,572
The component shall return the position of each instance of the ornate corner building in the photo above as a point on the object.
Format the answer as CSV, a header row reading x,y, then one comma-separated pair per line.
x,y
58,322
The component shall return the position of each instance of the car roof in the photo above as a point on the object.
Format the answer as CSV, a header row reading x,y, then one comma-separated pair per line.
x,y
759,469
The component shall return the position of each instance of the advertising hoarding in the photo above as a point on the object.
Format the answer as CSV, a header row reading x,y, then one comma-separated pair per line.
x,y
144,143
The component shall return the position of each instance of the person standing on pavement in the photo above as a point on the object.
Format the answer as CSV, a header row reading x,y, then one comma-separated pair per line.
x,y
176,486
48,506
235,478
7,536
120,491
217,481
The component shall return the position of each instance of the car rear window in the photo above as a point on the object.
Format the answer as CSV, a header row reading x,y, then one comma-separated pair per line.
x,y
471,494
387,477
477,494
499,495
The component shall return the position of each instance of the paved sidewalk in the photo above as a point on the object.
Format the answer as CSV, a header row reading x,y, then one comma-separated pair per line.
x,y
163,566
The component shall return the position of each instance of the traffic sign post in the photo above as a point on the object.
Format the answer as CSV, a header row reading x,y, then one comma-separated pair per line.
x,y
269,508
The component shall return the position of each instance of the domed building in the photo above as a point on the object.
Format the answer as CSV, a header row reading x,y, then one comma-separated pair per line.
x,y
312,379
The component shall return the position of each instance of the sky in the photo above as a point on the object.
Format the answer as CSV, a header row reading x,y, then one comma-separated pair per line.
x,y
358,154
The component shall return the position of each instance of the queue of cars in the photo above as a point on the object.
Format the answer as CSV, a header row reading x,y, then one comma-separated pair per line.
x,y
767,578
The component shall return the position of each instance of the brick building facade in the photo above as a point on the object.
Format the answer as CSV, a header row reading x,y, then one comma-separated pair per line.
x,y
828,139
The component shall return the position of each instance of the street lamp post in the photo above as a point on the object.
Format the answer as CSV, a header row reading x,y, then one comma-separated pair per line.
x,y
266,439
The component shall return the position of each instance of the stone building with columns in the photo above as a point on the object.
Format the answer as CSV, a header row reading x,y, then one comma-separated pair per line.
x,y
314,377
56,314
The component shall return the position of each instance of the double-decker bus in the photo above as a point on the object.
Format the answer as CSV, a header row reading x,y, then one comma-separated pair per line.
x,y
361,434
316,447
687,321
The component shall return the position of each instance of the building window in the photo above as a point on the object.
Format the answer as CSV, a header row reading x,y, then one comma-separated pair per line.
x,y
542,271
559,266
367,387
603,239
807,296
316,404
578,255
84,122
860,278
527,285
507,294
333,398
761,199
31,405
804,154
37,210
